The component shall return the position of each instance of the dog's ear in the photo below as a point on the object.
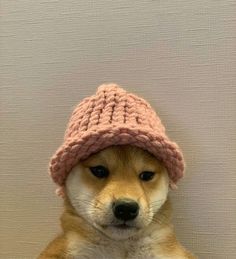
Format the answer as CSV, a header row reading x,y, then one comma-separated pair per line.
x,y
60,191
172,185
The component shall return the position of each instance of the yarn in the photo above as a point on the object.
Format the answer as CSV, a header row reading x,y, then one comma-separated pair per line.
x,y
112,116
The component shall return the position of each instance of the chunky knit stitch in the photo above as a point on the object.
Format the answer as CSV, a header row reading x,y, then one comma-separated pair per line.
x,y
114,117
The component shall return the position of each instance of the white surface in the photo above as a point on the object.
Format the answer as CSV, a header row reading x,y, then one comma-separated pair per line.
x,y
179,55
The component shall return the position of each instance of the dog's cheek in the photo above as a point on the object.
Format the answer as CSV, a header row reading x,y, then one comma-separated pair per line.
x,y
102,209
79,194
158,195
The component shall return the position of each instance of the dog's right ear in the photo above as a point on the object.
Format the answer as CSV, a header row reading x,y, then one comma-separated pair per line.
x,y
60,191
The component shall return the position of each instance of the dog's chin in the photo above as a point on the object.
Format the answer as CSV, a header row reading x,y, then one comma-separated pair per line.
x,y
118,232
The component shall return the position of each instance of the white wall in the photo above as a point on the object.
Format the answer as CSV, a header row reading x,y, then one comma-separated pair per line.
x,y
179,55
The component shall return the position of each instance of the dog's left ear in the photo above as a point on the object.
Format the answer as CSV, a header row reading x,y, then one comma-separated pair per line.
x,y
172,185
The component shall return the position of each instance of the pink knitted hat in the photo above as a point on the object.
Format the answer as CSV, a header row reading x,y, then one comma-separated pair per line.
x,y
114,117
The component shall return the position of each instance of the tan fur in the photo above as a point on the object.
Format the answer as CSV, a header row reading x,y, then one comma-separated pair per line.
x,y
85,222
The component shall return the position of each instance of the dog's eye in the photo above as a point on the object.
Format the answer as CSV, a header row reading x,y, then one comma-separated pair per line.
x,y
99,171
146,175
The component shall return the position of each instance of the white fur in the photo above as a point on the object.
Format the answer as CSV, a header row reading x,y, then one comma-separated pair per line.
x,y
130,249
80,195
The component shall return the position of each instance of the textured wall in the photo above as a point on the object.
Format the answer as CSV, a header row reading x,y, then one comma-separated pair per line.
x,y
180,55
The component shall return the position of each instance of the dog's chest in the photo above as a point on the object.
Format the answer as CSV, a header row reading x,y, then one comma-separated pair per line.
x,y
110,252
125,250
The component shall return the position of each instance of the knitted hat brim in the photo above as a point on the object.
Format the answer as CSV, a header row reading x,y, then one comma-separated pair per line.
x,y
94,140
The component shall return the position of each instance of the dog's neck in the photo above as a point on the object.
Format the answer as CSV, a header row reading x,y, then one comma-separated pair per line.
x,y
72,222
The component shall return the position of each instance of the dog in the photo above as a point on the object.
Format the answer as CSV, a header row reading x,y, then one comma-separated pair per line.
x,y
116,205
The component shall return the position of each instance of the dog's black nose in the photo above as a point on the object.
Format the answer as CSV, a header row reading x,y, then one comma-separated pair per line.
x,y
125,209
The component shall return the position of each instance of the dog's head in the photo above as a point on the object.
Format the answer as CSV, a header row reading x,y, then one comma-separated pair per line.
x,y
118,190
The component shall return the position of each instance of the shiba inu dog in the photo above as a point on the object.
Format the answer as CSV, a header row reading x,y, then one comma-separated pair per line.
x,y
114,169
117,206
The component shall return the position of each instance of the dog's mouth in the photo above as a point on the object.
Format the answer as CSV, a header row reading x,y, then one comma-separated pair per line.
x,y
117,231
121,226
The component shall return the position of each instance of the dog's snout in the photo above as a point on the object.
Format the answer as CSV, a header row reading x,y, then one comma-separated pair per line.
x,y
125,209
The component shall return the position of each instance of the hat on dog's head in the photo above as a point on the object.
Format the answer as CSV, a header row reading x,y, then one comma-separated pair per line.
x,y
114,117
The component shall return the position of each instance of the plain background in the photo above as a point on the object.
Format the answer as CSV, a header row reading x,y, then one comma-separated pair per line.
x,y
179,55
